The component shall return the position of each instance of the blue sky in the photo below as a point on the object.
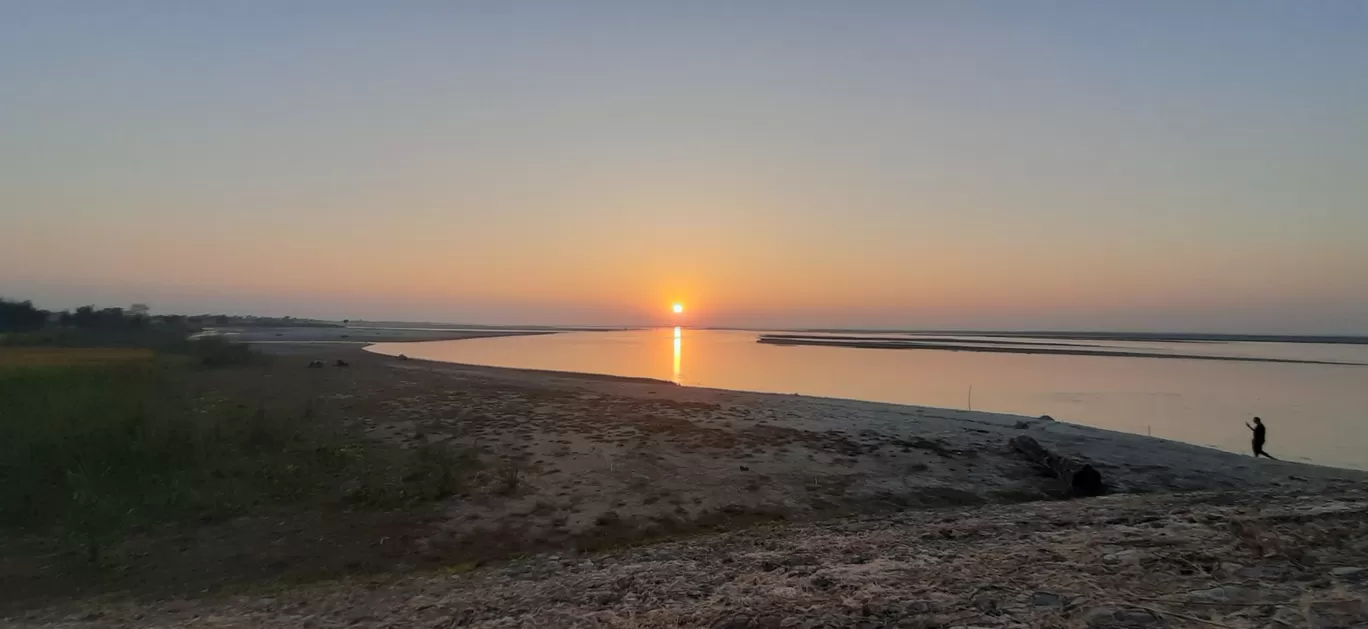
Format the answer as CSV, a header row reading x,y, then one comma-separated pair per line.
x,y
1158,165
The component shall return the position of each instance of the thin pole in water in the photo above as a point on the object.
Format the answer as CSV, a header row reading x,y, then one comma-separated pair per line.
x,y
971,397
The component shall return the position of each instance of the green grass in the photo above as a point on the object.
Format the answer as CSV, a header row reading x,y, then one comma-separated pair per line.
x,y
93,452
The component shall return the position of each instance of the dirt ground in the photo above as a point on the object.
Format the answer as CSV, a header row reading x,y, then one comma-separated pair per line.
x,y
574,463
1233,560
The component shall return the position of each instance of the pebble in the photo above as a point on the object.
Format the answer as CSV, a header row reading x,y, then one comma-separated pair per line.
x,y
1129,557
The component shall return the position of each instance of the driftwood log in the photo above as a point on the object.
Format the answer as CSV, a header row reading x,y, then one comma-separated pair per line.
x,y
1082,479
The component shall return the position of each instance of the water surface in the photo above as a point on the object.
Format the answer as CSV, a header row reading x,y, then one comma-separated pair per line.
x,y
1315,413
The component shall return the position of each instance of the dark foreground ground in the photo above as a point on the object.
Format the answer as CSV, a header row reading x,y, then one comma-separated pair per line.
x,y
1235,560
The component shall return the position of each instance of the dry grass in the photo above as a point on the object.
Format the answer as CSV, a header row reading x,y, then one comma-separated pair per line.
x,y
72,356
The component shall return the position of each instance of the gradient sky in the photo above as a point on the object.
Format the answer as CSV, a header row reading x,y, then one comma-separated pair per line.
x,y
1141,165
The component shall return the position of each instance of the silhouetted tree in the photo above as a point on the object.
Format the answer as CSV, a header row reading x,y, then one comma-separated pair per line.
x,y
111,318
85,317
20,316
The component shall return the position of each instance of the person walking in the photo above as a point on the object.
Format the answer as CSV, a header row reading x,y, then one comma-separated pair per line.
x,y
1260,435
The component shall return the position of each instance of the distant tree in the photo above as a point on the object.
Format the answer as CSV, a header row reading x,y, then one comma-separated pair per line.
x,y
110,318
20,316
85,317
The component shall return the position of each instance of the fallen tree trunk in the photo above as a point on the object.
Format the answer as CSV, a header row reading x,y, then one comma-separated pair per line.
x,y
1083,479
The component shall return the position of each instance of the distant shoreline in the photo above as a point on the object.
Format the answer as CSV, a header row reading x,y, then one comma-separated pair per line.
x,y
293,340
1167,337
887,343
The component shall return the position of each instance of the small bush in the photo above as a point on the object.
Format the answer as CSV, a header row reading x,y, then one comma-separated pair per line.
x,y
508,476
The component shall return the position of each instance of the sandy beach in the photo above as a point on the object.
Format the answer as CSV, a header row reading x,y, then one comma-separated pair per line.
x,y
576,464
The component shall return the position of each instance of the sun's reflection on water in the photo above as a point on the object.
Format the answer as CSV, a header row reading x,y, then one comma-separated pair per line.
x,y
678,343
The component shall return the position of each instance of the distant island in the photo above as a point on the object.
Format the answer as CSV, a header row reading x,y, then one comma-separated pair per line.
x,y
1018,347
1166,337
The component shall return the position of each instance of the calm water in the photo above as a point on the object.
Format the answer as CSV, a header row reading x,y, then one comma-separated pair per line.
x,y
1316,413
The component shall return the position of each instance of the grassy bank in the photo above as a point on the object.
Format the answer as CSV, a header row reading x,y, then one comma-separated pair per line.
x,y
97,443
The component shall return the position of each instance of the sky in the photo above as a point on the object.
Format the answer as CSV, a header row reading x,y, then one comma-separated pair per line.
x,y
1196,166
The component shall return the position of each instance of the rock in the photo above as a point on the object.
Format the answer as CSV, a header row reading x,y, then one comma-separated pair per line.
x,y
1129,557
1046,418
745,469
1022,424
1047,599
1099,616
1350,573
987,604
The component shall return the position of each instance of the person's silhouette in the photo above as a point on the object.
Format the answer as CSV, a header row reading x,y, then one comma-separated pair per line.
x,y
1260,434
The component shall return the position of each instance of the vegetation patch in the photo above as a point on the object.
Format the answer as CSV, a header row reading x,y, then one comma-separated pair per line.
x,y
91,452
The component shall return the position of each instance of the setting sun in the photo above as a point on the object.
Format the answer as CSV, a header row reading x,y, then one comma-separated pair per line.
x,y
677,308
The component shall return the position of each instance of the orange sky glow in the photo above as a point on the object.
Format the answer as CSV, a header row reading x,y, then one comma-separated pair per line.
x,y
907,166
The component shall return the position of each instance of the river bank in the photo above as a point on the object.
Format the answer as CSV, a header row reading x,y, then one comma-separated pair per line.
x,y
574,464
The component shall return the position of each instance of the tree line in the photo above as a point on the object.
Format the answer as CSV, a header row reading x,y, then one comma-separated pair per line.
x,y
23,316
